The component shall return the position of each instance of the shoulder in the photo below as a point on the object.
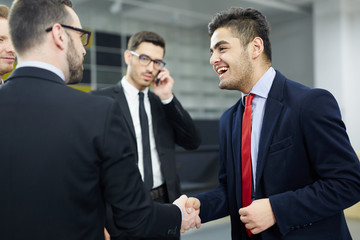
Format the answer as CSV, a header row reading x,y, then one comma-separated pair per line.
x,y
292,91
108,91
227,115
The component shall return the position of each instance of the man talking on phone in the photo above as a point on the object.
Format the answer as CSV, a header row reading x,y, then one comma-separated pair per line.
x,y
155,119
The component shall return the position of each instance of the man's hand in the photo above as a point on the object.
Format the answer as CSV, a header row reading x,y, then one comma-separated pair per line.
x,y
258,216
193,203
164,89
106,234
190,218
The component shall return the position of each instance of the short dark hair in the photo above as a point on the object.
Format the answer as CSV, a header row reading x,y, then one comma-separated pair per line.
x,y
4,11
145,36
246,24
28,20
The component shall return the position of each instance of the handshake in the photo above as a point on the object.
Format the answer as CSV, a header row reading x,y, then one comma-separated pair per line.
x,y
190,208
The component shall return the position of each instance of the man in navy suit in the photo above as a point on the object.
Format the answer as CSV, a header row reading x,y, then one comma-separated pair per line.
x,y
304,169
64,153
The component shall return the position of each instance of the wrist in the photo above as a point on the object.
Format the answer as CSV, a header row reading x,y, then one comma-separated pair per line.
x,y
167,99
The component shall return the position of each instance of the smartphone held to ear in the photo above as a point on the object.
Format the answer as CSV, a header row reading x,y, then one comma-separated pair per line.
x,y
156,79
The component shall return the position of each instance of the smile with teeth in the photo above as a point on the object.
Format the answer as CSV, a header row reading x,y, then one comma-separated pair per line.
x,y
222,70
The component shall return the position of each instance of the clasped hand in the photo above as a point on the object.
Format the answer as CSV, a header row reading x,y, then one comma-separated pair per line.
x,y
258,216
190,215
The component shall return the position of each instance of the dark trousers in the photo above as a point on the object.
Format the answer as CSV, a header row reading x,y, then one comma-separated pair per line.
x,y
159,195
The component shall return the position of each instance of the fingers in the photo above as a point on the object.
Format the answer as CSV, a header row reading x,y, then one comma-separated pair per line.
x,y
258,216
243,211
193,203
198,222
190,217
181,201
166,82
106,234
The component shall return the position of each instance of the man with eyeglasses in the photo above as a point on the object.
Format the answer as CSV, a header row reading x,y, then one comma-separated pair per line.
x,y
7,52
64,152
168,123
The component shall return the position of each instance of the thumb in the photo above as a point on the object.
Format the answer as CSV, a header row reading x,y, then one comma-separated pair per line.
x,y
189,210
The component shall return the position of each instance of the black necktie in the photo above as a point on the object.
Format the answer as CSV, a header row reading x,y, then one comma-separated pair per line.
x,y
148,175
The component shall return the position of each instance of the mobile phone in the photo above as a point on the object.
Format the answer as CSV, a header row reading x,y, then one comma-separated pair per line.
x,y
156,79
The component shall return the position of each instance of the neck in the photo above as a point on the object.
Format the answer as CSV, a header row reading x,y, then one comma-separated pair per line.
x,y
259,71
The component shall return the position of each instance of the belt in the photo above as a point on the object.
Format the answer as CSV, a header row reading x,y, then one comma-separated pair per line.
x,y
158,192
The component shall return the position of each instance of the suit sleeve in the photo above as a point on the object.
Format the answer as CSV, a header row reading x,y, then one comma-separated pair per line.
x,y
214,203
186,133
337,168
134,213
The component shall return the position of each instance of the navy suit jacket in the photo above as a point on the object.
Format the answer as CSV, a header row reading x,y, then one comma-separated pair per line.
x,y
63,154
306,166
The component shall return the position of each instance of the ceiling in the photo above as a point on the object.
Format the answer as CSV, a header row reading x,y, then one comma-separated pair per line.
x,y
190,13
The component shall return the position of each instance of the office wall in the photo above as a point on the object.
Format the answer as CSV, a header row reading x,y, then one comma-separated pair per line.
x,y
292,45
187,57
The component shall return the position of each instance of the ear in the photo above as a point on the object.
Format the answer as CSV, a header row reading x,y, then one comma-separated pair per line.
x,y
257,47
127,57
59,35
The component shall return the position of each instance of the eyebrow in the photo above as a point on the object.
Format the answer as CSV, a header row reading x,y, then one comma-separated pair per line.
x,y
218,44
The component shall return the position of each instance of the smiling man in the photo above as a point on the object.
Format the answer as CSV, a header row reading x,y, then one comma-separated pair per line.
x,y
7,52
287,168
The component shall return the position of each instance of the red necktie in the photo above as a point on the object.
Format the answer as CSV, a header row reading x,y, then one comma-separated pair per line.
x,y
246,154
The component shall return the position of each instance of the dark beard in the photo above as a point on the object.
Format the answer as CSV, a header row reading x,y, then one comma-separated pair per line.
x,y
75,66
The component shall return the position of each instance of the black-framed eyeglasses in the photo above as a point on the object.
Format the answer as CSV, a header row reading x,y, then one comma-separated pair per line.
x,y
146,60
85,35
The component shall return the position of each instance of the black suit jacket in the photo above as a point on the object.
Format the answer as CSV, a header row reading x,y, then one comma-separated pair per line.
x,y
63,154
306,166
171,124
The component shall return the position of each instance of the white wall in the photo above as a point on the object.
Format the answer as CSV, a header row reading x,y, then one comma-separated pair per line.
x,y
318,50
292,47
336,36
187,57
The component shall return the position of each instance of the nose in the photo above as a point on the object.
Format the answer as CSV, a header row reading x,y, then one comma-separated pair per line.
x,y
214,59
151,66
84,51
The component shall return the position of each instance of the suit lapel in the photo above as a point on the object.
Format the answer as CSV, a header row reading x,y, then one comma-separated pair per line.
x,y
155,117
273,111
236,147
119,95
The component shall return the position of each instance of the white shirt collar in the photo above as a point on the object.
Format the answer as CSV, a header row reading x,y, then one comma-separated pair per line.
x,y
262,87
130,89
42,65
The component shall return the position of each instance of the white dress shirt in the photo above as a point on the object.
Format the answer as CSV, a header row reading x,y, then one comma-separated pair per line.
x,y
132,97
261,91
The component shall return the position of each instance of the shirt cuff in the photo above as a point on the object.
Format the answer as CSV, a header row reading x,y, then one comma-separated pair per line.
x,y
167,101
180,210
